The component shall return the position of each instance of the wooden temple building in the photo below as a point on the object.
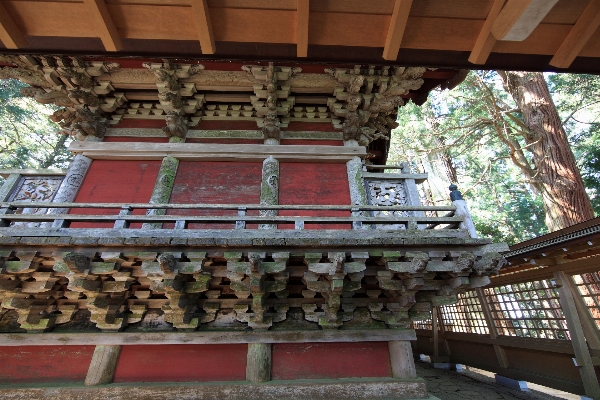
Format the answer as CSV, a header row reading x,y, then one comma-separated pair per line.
x,y
229,228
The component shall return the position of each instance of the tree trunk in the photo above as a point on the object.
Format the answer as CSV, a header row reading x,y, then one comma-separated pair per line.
x,y
556,174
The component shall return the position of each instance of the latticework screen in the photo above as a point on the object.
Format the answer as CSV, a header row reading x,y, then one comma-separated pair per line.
x,y
465,316
530,309
425,324
589,288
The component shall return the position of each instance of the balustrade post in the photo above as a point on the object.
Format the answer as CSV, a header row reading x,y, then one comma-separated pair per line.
x,y
358,194
121,223
241,213
462,211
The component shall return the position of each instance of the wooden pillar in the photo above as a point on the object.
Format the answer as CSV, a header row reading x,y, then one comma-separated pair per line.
x,y
401,359
580,347
162,189
590,329
487,314
258,363
358,194
103,365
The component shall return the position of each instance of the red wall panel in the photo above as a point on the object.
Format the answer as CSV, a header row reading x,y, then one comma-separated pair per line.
x,y
182,363
330,360
109,181
34,364
216,183
304,183
140,123
224,125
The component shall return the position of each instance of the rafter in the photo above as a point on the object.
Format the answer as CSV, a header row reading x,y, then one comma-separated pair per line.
x,y
396,29
10,34
486,41
205,32
302,28
580,34
105,26
519,18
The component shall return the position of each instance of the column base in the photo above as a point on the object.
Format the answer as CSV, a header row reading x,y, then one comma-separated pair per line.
x,y
512,383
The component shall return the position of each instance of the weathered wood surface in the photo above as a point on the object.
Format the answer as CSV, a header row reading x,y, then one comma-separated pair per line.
x,y
232,219
215,152
258,365
103,364
401,359
203,337
419,178
321,389
193,206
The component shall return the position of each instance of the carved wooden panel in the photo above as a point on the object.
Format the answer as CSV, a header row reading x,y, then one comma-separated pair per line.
x,y
386,193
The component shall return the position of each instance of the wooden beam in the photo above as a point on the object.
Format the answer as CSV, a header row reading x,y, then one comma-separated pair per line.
x,y
580,347
10,34
580,34
519,18
396,29
105,27
203,25
302,13
486,41
203,337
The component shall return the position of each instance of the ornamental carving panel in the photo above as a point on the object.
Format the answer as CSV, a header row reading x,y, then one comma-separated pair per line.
x,y
35,189
385,193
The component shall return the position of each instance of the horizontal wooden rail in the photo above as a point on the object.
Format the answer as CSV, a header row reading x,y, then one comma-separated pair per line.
x,y
227,219
169,206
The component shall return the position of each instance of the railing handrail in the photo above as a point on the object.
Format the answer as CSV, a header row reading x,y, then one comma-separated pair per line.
x,y
196,206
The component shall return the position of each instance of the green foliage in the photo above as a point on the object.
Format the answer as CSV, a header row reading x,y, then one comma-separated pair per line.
x,y
28,139
475,128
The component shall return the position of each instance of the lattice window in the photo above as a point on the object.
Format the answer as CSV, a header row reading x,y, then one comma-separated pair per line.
x,y
384,193
425,324
589,288
466,315
530,309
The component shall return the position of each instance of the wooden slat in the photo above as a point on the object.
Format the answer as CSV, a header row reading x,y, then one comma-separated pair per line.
x,y
486,41
203,25
519,18
302,14
580,34
105,27
396,29
10,34
146,338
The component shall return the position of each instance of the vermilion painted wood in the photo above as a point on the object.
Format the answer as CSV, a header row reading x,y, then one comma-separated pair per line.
x,y
116,181
306,142
136,139
182,363
225,141
298,126
330,360
216,183
304,183
32,364
224,125
140,123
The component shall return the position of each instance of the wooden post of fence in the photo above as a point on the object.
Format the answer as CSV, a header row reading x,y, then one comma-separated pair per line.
x,y
580,347
590,329
489,320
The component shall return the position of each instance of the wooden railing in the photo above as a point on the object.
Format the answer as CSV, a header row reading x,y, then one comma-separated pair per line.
x,y
9,212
